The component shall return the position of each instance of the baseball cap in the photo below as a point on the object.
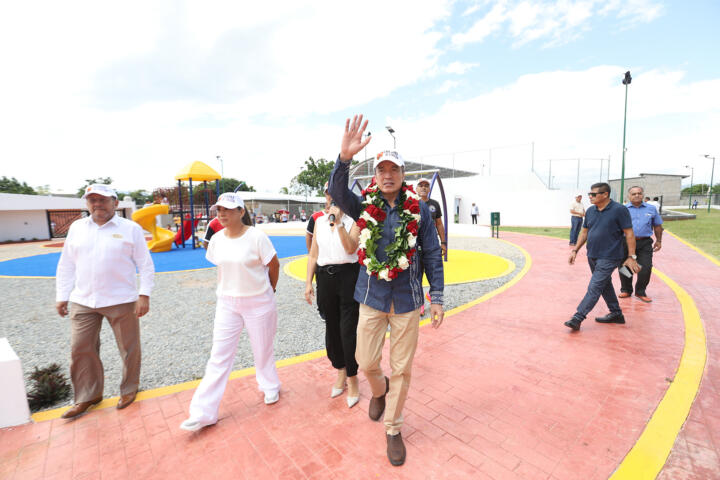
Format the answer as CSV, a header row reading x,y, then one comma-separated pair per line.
x,y
100,189
230,200
390,156
422,180
325,188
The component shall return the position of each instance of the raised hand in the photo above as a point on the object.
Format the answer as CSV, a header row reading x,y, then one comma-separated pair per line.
x,y
352,141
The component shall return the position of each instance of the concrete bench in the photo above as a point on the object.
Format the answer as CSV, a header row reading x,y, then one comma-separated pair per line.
x,y
14,408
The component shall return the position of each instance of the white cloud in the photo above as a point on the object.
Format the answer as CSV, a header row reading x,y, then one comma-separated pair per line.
x,y
556,22
446,86
459,68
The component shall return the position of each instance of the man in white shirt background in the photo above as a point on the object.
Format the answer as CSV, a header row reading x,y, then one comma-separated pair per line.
x,y
96,278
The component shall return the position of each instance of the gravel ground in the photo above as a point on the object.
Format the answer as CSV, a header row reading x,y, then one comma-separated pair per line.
x,y
177,333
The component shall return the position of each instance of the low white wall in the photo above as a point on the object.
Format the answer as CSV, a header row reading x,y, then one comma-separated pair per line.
x,y
19,225
521,199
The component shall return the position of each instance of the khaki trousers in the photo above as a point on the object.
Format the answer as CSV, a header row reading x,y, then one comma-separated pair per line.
x,y
404,328
86,369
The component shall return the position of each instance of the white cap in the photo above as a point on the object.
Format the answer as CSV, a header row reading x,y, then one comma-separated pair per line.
x,y
422,180
100,189
230,200
390,156
325,187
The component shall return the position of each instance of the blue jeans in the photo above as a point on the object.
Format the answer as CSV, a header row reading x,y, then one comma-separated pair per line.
x,y
575,226
600,285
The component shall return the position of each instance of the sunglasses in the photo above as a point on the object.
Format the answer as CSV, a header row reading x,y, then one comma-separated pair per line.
x,y
595,194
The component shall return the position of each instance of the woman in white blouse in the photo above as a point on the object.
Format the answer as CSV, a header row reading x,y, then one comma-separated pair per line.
x,y
333,259
248,271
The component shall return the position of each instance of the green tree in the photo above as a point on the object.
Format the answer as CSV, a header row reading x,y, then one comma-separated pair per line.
x,y
229,184
140,197
42,189
13,185
91,181
314,175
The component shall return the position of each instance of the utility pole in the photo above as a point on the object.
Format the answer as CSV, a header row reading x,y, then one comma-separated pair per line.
x,y
712,172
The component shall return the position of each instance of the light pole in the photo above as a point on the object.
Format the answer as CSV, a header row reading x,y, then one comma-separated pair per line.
x,y
222,167
712,172
626,81
692,174
367,135
391,131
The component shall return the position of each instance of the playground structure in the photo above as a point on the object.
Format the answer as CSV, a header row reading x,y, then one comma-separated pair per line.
x,y
162,238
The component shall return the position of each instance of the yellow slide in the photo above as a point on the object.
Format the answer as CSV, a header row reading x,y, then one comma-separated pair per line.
x,y
162,238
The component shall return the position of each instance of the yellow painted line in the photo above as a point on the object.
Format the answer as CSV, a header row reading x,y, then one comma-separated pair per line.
x,y
168,390
701,252
648,456
464,267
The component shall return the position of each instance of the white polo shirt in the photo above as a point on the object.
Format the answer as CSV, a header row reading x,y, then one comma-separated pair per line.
x,y
242,262
99,264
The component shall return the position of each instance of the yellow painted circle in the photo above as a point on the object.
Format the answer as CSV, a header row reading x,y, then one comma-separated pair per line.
x,y
462,266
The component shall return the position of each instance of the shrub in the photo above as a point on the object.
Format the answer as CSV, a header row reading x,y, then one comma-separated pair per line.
x,y
49,387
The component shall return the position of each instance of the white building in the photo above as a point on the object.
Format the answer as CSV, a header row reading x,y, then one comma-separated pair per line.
x,y
41,217
521,197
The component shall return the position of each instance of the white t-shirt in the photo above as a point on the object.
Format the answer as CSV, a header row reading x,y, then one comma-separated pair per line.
x,y
242,262
330,247
577,207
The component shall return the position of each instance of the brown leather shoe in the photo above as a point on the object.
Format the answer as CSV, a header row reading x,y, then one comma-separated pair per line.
x,y
644,298
80,408
623,295
395,449
126,400
377,404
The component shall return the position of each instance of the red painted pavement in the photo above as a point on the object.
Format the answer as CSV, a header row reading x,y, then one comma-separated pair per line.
x,y
502,390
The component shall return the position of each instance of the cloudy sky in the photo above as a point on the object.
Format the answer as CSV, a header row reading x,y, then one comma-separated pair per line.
x,y
136,90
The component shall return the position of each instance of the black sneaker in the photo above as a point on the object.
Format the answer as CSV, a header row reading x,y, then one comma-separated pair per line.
x,y
574,323
611,318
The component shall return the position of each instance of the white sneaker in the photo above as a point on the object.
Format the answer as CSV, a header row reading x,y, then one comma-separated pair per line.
x,y
194,425
271,398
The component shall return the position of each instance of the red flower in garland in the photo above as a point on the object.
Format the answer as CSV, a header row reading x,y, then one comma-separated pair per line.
x,y
410,253
361,256
415,207
392,274
376,213
413,227
361,223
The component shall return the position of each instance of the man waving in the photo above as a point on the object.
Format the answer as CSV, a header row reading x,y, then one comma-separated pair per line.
x,y
392,223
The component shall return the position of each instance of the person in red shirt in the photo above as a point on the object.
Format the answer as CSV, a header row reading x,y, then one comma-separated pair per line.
x,y
213,227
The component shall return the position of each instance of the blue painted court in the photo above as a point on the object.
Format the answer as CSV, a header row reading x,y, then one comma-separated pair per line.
x,y
175,260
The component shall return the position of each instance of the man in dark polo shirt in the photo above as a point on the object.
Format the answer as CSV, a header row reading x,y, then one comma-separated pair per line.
x,y
423,189
607,224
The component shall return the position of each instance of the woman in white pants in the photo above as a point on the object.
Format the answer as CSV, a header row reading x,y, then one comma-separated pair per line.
x,y
248,270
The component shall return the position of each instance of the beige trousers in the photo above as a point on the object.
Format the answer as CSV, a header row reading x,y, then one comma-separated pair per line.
x,y
86,369
404,328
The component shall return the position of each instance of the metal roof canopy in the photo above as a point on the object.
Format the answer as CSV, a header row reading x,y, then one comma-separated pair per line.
x,y
199,172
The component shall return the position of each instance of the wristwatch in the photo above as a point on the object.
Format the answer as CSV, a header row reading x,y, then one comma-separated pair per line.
x,y
634,257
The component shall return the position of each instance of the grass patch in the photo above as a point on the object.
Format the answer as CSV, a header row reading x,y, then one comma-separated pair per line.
x,y
703,232
558,232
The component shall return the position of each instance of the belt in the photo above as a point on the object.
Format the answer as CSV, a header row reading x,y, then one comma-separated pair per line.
x,y
642,238
334,269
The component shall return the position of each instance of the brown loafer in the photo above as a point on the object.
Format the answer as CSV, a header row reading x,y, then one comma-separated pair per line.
x,y
623,295
377,404
395,449
126,400
80,408
644,298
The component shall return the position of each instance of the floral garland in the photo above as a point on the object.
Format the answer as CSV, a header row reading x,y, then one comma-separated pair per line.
x,y
401,250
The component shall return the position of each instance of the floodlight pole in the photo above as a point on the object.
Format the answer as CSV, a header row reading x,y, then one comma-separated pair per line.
x,y
712,172
391,131
626,81
692,175
222,167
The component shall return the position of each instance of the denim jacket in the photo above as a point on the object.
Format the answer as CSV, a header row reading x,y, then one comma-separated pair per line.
x,y
404,292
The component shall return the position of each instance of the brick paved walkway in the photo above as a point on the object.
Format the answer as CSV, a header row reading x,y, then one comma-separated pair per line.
x,y
503,390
